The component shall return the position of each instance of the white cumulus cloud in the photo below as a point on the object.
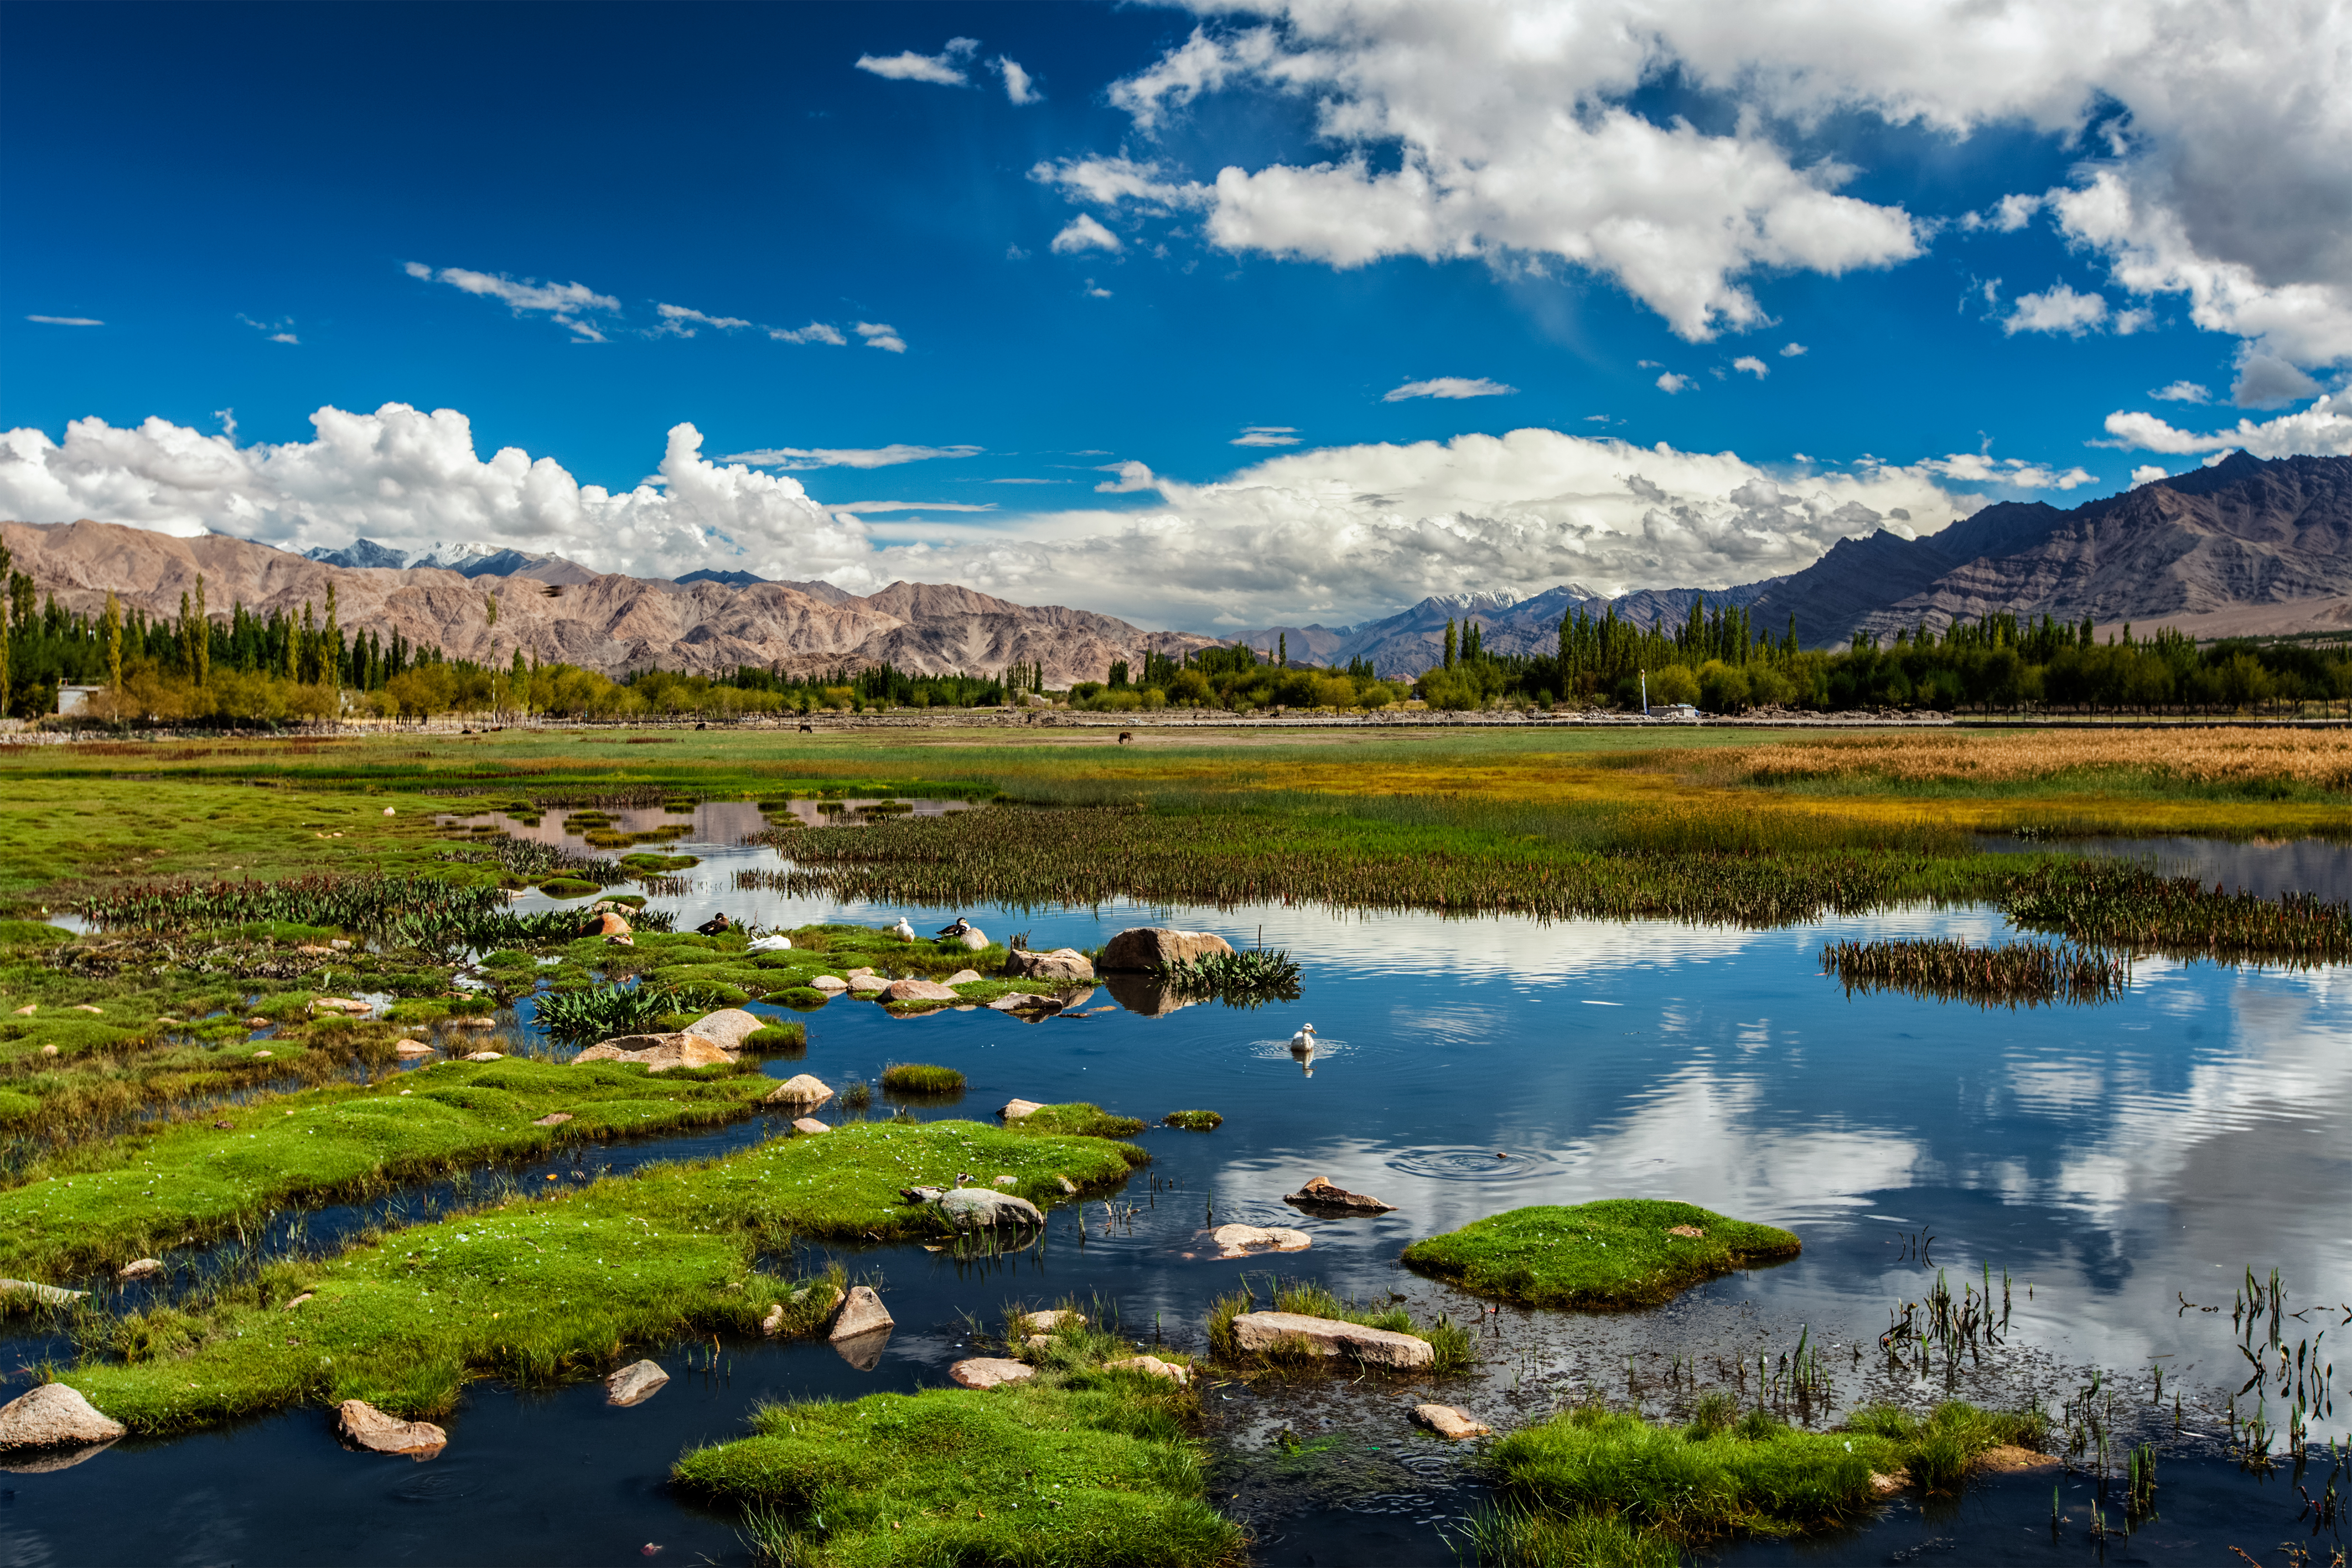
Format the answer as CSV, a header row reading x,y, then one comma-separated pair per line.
x,y
880,335
2324,430
1454,386
1752,365
1019,87
2057,308
1670,384
568,303
1082,233
941,69
2182,391
1792,351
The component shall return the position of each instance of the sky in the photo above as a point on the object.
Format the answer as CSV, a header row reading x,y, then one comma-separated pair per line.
x,y
1213,317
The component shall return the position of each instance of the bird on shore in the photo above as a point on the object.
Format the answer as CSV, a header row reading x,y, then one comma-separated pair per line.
x,y
961,925
1305,1039
902,930
715,925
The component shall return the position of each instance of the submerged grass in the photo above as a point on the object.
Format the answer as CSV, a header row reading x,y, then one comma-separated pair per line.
x,y
535,1289
1077,1468
1614,1253
2032,972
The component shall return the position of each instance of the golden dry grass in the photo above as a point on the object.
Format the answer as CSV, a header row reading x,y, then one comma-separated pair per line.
x,y
2322,758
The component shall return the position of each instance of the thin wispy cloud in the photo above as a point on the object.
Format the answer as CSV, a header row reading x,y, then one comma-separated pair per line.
x,y
880,335
1082,233
814,332
569,304
848,456
276,331
942,69
1449,386
676,321
66,320
865,506
1267,436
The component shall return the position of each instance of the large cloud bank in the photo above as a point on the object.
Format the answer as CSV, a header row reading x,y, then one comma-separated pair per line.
x,y
2213,136
1338,533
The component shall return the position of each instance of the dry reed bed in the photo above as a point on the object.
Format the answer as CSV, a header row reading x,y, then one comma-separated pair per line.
x,y
2321,759
2033,973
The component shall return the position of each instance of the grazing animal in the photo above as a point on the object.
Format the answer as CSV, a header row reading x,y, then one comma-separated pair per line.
x,y
1305,1039
715,925
1125,736
807,731
961,925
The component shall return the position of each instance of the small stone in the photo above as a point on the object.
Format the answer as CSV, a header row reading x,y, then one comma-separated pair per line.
x,y
1242,1240
1885,1485
86,1008
47,1050
553,1119
1152,1365
300,1299
773,1323
862,1313
919,991
1069,1187
54,1416
1450,1423
971,1206
27,1010
1026,1002
474,1057
363,1426
223,1126
867,985
1262,1332
469,1022
658,1053
411,1048
1053,1318
829,983
1319,1193
256,1023
140,1269
801,1088
809,1124
974,940
635,1384
263,1056
991,1371
961,977
1015,1110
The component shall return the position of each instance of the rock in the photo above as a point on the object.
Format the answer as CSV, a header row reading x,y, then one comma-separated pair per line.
x,y
1242,1240
991,1371
729,1027
1450,1423
47,1295
86,1008
26,1011
256,1023
861,969
305,1296
635,1384
867,985
658,1053
919,991
1148,995
801,1088
1143,949
553,1119
1883,1485
1026,1002
1069,1187
2007,1459
1319,1193
1262,1332
862,1313
47,1050
1053,1318
1062,963
363,1426
263,1056
863,1352
339,1005
140,1269
54,1416
471,1057
1152,1365
833,982
410,1049
773,1323
1015,1110
960,977
970,1206
809,1124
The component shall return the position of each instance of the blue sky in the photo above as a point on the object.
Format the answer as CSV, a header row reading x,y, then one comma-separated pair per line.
x,y
277,210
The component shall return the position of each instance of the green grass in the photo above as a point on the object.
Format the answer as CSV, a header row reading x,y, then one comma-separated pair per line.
x,y
1448,1341
1193,1120
1076,1120
1616,1253
1635,1483
101,1205
533,1289
1080,1469
917,1079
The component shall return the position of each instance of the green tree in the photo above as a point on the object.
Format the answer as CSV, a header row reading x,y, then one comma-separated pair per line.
x,y
201,640
334,648
8,561
1449,642
112,625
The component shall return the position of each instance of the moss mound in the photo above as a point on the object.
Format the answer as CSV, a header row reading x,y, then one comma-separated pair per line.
x,y
800,997
1193,1120
777,1037
1618,1252
1076,1120
566,888
1080,1469
917,1078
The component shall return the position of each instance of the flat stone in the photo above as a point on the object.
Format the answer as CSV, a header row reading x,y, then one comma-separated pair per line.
x,y
1242,1240
1885,1485
472,1056
1053,1318
801,1088
1015,1110
1069,1187
1319,1193
1062,963
833,982
1152,1365
1450,1423
1150,947
991,1371
658,1053
960,977
1262,1332
1026,1002
635,1384
862,1313
340,1004
54,1416
468,1023
363,1426
411,1048
867,985
140,1269
553,1119
919,991
263,1056
729,1027
810,1125
970,1206
2008,1458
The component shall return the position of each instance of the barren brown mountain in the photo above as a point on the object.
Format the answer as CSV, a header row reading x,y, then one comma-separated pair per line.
x,y
610,624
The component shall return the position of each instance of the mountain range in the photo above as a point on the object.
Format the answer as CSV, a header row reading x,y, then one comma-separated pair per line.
x,y
2244,547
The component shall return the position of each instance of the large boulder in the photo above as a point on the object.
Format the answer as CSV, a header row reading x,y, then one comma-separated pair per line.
x,y
729,1027
1062,963
801,1088
991,1371
1261,1332
660,1053
1015,1110
861,1329
1142,949
919,991
970,1207
54,1416
635,1384
363,1426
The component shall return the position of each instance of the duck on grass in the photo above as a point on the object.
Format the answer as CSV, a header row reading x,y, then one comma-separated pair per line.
x,y
1615,1252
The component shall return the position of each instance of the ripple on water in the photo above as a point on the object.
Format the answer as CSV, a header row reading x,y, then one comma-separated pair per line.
x,y
1463,1163
439,1484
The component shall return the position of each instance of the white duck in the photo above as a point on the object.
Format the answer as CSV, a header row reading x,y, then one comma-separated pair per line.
x,y
902,930
1305,1039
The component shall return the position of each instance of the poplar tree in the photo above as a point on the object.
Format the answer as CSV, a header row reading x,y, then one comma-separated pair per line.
x,y
8,561
334,648
113,629
201,639
1449,642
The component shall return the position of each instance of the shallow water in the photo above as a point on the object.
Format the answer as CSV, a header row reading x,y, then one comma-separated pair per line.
x,y
2120,1163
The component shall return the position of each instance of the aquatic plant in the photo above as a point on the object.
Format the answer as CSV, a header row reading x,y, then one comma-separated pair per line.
x,y
2131,909
915,1077
532,861
604,1011
2027,972
1252,974
1193,1120
405,910
1616,1252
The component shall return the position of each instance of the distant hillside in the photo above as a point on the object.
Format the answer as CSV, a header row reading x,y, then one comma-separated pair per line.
x,y
606,623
